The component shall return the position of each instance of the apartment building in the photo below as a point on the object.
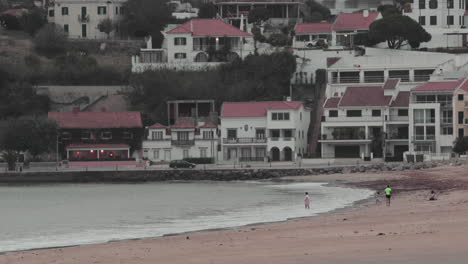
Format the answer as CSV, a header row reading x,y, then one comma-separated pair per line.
x,y
366,122
460,113
261,131
80,19
182,140
194,45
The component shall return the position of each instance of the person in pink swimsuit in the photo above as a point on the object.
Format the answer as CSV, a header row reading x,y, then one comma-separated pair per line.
x,y
307,201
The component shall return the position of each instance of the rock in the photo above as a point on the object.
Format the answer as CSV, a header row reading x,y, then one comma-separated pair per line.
x,y
381,234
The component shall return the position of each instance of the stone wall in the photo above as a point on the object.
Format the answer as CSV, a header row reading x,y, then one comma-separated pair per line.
x,y
203,175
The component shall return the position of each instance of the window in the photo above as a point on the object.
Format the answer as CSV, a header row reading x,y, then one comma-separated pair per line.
x,y
180,41
66,136
300,116
460,97
157,135
353,113
461,132
51,13
101,10
450,4
116,10
183,135
64,11
286,116
422,4
274,116
260,133
180,55
333,113
279,116
232,133
447,131
85,135
433,20
288,133
122,10
460,117
127,135
376,113
185,153
402,112
208,135
450,20
422,20
275,133
156,154
202,152
433,4
106,135
65,28
447,116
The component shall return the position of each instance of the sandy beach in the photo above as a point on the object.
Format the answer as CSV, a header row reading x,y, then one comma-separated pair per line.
x,y
411,230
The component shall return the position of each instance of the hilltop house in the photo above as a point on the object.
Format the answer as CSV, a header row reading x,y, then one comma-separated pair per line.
x,y
258,131
98,136
195,45
80,19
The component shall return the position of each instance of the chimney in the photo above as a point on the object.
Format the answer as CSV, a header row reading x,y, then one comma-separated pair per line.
x,y
75,110
103,109
365,13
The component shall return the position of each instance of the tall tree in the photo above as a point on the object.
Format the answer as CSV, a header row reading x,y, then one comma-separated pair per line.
x,y
316,12
398,31
207,10
146,17
33,20
259,15
107,26
460,145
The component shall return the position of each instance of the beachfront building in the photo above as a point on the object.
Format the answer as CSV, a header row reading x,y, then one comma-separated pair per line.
x,y
460,112
366,122
432,116
194,45
80,19
182,140
262,131
98,136
282,12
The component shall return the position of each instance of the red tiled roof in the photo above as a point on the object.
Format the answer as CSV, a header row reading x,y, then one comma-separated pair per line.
x,y
209,125
183,124
14,12
125,119
390,84
332,60
98,146
438,86
353,21
323,27
466,12
332,102
365,96
158,125
464,86
253,109
402,100
208,27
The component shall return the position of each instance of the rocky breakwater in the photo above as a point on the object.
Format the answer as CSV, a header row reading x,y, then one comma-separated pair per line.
x,y
205,175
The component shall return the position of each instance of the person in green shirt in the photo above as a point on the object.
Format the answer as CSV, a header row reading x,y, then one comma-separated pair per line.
x,y
388,194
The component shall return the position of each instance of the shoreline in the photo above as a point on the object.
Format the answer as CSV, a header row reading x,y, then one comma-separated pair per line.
x,y
412,230
355,205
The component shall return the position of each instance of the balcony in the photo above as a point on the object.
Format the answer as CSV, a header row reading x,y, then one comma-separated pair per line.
x,y
83,18
244,140
183,142
397,137
423,138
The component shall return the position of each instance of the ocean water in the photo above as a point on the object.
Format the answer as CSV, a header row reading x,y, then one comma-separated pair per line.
x,y
60,215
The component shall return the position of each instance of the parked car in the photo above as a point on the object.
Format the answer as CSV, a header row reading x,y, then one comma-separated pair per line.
x,y
316,43
175,164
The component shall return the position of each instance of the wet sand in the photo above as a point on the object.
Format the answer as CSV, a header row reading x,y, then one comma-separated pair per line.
x,y
411,230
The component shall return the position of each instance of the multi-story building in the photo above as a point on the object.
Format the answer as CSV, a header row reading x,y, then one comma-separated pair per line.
x,y
350,6
432,116
258,131
98,136
460,112
182,140
194,45
80,19
368,121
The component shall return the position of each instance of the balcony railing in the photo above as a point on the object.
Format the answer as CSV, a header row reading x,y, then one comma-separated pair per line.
x,y
243,140
183,142
397,136
379,79
83,18
424,121
423,138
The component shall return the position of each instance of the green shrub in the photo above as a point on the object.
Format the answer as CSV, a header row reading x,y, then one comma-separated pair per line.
x,y
278,40
50,40
10,22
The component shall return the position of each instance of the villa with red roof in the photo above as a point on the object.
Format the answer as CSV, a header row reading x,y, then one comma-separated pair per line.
x,y
98,136
196,44
355,122
262,131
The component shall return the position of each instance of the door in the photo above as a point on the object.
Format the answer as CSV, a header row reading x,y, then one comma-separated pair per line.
x,y
83,31
83,11
347,152
398,152
232,153
167,155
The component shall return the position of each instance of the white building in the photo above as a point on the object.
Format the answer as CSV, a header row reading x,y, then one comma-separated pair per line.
x,y
195,45
366,121
80,19
350,6
256,131
179,141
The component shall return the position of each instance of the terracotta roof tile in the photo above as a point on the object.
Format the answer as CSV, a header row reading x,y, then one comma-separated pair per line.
x,y
332,102
402,100
125,119
438,86
391,84
364,96
209,125
354,21
209,27
254,109
158,125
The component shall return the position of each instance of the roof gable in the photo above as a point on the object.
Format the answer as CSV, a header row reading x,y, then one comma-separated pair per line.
x,y
208,27
354,21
